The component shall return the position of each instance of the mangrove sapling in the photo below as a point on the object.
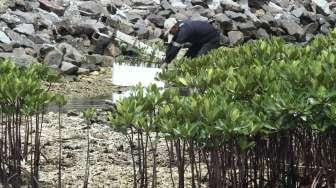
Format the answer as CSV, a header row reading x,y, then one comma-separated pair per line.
x,y
22,97
60,101
90,115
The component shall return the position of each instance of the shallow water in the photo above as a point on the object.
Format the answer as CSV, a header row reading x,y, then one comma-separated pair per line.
x,y
81,103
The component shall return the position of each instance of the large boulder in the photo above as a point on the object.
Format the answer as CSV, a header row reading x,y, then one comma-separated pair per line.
x,y
235,37
68,68
292,28
27,29
53,6
91,8
4,38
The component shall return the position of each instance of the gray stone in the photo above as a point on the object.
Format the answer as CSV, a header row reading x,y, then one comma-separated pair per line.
x,y
141,29
70,52
83,71
19,58
99,60
235,37
236,16
282,3
6,47
52,6
332,19
157,20
322,6
292,28
19,39
27,29
299,12
321,19
40,38
311,28
54,58
4,38
69,68
272,8
246,26
90,8
202,3
142,3
10,18
165,13
112,50
26,17
231,6
277,31
262,33
325,28
223,19
208,13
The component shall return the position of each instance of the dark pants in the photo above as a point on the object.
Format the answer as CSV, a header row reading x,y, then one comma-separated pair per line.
x,y
202,49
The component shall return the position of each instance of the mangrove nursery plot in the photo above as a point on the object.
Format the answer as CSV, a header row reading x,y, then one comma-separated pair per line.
x,y
23,98
259,115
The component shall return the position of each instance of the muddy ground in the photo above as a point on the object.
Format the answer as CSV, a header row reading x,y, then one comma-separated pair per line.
x,y
110,159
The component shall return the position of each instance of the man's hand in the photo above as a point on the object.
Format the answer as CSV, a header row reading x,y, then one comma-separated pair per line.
x,y
164,66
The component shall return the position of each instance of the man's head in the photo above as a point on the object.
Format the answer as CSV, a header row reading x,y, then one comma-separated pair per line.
x,y
171,28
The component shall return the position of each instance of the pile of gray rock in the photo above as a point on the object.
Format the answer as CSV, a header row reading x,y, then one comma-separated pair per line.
x,y
76,36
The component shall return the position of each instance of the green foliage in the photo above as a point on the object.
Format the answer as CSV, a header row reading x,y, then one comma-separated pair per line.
x,y
24,87
257,89
90,115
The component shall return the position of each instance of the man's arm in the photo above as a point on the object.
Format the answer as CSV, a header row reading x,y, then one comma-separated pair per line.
x,y
177,43
171,52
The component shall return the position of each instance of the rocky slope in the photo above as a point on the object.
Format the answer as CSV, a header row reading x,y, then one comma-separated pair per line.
x,y
68,35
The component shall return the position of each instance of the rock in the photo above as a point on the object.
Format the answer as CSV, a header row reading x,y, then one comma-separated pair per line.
x,y
277,31
141,29
325,28
54,58
202,3
70,52
52,6
272,8
156,20
236,16
283,3
4,38
25,17
223,20
322,6
100,60
262,33
235,37
231,6
299,12
27,29
259,13
6,47
142,3
19,39
72,113
311,28
332,19
208,13
112,50
19,57
40,38
68,68
83,71
10,19
292,28
246,26
90,8
165,13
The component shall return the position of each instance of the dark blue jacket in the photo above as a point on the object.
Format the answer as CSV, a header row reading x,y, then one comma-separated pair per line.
x,y
193,32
